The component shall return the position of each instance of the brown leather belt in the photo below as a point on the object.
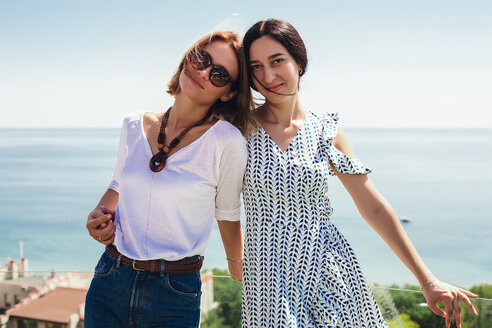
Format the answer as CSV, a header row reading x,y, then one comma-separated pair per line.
x,y
184,266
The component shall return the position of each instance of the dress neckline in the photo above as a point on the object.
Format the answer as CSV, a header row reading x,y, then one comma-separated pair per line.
x,y
308,113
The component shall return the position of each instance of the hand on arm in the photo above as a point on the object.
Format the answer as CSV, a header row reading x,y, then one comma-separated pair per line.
x,y
99,222
232,238
377,212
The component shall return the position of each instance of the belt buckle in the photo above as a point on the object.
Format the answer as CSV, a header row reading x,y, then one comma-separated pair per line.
x,y
135,268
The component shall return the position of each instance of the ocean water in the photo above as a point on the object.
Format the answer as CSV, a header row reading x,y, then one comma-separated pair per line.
x,y
50,179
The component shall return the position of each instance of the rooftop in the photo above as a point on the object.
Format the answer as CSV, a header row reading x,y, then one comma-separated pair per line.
x,y
55,306
25,281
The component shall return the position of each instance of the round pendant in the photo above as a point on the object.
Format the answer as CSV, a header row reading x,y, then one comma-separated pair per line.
x,y
157,162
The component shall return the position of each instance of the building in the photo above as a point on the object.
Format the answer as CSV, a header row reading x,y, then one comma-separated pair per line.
x,y
41,302
62,307
207,301
15,286
13,270
56,302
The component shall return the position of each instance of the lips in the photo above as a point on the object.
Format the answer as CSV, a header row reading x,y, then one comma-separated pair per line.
x,y
196,83
275,88
193,79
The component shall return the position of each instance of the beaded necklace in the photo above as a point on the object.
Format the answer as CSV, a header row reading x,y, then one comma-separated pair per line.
x,y
158,161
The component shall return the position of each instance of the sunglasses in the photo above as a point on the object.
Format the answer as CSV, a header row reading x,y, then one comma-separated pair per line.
x,y
200,60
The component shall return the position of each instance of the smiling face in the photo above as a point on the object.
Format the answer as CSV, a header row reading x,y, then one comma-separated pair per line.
x,y
274,71
195,83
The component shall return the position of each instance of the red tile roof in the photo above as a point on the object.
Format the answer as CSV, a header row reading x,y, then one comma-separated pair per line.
x,y
55,306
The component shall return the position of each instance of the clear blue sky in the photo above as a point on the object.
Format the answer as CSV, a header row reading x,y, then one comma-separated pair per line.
x,y
379,63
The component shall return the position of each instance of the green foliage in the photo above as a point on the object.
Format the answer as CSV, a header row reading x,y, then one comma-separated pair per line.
x,y
403,321
484,308
227,293
212,320
402,309
410,303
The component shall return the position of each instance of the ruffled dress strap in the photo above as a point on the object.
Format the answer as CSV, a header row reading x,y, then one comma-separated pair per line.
x,y
342,163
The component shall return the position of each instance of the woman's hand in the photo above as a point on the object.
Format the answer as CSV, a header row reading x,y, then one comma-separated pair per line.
x,y
101,227
236,270
436,291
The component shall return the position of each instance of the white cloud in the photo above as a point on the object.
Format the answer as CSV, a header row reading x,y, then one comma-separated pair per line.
x,y
232,23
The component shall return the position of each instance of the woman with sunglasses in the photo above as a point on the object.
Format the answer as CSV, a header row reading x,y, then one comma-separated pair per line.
x,y
176,171
299,271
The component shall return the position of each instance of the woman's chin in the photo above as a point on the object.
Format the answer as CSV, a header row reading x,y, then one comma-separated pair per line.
x,y
196,95
277,99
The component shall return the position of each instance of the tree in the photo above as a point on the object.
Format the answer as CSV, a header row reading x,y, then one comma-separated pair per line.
x,y
413,305
484,308
227,293
403,321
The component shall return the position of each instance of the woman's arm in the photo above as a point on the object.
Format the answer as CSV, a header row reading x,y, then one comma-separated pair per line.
x,y
378,213
228,199
232,238
100,225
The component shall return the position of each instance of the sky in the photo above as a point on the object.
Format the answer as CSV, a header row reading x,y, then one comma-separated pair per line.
x,y
392,64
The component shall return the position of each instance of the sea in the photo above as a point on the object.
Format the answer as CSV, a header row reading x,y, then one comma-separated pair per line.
x,y
441,179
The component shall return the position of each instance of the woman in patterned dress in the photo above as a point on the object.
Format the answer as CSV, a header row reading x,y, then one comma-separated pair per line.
x,y
299,271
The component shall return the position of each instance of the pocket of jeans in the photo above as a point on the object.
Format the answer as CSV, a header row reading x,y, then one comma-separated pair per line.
x,y
186,285
105,266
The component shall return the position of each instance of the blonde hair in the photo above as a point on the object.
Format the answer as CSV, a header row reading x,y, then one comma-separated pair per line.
x,y
237,109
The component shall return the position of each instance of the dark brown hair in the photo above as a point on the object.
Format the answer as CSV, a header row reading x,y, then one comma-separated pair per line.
x,y
284,33
237,109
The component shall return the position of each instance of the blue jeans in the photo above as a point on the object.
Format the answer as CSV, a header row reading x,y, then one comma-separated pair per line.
x,y
120,296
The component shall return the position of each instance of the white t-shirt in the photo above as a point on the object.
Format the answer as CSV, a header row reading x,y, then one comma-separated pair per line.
x,y
169,214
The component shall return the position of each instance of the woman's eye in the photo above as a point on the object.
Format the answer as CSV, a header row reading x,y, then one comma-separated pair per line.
x,y
254,67
278,60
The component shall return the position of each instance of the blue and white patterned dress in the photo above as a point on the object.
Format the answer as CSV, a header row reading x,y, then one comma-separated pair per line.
x,y
299,271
